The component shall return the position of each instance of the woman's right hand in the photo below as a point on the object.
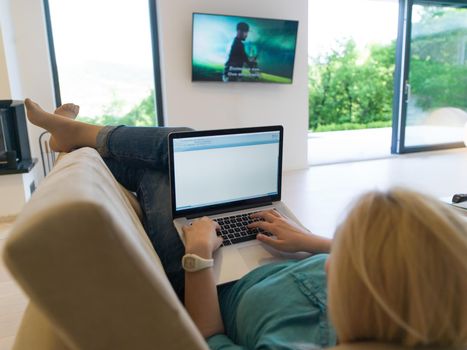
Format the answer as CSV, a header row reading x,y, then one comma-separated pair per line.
x,y
201,238
288,236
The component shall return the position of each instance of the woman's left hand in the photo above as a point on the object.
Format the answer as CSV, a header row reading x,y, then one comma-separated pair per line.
x,y
289,236
201,238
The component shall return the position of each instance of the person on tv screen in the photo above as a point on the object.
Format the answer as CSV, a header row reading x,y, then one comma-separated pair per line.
x,y
238,57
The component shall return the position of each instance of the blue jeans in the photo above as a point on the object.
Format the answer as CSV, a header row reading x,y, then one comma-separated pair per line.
x,y
138,158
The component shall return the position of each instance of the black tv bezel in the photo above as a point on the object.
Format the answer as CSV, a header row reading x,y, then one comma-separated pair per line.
x,y
232,205
3,146
239,16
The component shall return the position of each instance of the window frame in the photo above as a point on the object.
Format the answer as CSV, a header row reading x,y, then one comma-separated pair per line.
x,y
152,7
403,50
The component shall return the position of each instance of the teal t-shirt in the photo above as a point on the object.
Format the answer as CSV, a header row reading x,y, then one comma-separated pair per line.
x,y
276,307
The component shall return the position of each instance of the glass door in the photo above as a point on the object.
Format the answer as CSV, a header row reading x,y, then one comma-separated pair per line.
x,y
433,89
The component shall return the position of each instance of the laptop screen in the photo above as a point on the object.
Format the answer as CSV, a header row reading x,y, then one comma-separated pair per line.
x,y
215,170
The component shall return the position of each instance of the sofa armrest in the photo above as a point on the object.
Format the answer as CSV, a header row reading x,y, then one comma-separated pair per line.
x,y
85,262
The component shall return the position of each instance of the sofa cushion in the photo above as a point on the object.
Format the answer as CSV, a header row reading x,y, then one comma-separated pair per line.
x,y
81,254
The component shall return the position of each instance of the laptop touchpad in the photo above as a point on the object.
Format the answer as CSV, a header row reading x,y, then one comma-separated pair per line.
x,y
255,255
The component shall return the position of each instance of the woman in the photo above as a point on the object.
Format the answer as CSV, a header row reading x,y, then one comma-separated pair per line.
x,y
396,273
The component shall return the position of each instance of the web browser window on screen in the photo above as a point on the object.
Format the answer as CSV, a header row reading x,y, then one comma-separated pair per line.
x,y
213,170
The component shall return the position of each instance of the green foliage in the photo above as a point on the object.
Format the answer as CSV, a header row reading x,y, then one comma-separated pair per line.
x,y
438,69
436,84
344,90
431,12
143,114
354,126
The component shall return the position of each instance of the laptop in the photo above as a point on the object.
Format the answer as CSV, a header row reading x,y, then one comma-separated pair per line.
x,y
227,175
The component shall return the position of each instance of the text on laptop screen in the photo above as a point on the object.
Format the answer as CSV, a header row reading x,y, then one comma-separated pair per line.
x,y
211,170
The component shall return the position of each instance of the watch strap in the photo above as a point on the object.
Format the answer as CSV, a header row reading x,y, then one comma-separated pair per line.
x,y
193,263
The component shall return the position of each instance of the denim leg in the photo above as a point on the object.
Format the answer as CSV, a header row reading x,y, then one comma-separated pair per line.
x,y
152,188
154,197
128,177
144,147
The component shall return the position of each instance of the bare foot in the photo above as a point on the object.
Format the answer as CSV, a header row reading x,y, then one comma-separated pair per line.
x,y
65,131
36,114
69,110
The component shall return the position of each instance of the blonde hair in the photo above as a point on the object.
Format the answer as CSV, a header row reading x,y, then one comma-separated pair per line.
x,y
398,272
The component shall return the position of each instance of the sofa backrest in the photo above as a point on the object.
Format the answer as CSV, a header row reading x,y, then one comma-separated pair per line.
x,y
81,254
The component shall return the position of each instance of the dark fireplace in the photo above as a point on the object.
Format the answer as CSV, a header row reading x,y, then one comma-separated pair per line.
x,y
15,153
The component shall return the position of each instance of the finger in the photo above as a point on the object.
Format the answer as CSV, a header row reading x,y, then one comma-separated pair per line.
x,y
205,218
266,226
266,215
271,211
218,243
258,214
269,241
275,213
211,221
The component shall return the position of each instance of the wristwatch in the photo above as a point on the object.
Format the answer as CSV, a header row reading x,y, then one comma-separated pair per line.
x,y
193,263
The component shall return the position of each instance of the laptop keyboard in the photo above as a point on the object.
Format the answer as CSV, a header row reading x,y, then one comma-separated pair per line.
x,y
234,229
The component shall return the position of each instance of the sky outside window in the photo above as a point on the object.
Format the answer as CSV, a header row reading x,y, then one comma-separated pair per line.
x,y
104,54
365,21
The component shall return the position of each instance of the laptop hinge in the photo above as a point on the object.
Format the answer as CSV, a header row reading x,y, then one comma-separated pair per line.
x,y
227,210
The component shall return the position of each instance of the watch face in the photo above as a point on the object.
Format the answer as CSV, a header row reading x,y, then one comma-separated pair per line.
x,y
189,262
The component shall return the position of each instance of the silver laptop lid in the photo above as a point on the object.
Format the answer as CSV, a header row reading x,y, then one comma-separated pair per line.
x,y
223,170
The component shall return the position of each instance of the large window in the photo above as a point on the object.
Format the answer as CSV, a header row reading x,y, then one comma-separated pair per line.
x,y
386,73
106,59
352,60
436,77
352,55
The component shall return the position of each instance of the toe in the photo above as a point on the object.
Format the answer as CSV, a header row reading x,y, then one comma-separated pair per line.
x,y
31,104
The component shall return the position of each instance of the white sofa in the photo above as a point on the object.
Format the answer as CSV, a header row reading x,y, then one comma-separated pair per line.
x,y
94,281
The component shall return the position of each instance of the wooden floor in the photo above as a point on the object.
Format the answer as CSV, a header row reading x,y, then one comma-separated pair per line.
x,y
12,300
319,196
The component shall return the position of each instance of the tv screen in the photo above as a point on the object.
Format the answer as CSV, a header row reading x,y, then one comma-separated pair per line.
x,y
243,49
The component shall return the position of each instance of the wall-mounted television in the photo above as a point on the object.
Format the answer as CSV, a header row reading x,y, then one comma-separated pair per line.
x,y
243,49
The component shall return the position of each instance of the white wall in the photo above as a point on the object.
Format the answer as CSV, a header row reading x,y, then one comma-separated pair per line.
x,y
5,91
33,59
9,84
16,191
216,105
26,52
